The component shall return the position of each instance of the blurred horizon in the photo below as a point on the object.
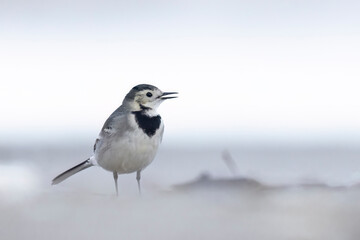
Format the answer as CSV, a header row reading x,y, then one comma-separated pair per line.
x,y
192,140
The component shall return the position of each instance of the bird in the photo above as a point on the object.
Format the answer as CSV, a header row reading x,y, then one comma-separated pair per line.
x,y
129,138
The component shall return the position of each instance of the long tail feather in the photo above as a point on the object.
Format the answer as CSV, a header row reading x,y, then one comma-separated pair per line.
x,y
84,165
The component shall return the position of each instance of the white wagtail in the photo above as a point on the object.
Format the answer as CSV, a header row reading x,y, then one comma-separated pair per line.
x,y
130,137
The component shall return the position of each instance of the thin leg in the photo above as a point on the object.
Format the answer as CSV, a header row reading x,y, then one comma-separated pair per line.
x,y
138,176
115,174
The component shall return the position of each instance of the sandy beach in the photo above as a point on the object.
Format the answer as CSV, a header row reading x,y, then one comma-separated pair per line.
x,y
187,195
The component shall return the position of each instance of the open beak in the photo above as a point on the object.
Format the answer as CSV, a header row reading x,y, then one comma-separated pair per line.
x,y
163,96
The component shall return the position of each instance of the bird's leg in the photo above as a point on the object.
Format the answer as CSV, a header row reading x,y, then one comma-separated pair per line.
x,y
115,174
138,176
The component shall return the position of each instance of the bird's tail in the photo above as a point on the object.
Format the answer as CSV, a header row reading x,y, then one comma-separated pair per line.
x,y
84,165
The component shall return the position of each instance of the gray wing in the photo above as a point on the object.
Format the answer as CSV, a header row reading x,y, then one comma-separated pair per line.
x,y
161,133
113,127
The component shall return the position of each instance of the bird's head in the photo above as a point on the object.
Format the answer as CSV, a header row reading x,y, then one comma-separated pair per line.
x,y
145,96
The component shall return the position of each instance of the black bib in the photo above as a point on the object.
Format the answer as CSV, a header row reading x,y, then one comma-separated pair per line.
x,y
148,124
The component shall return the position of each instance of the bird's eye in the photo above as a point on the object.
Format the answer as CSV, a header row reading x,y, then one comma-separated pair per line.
x,y
149,94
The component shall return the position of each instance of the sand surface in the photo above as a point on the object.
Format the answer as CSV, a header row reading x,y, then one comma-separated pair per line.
x,y
179,201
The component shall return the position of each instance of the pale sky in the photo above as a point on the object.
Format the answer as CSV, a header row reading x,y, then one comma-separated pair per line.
x,y
242,68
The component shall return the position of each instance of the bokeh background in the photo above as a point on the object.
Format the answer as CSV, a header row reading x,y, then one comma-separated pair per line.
x,y
272,84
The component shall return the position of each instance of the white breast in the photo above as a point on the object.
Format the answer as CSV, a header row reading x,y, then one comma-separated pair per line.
x,y
132,151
